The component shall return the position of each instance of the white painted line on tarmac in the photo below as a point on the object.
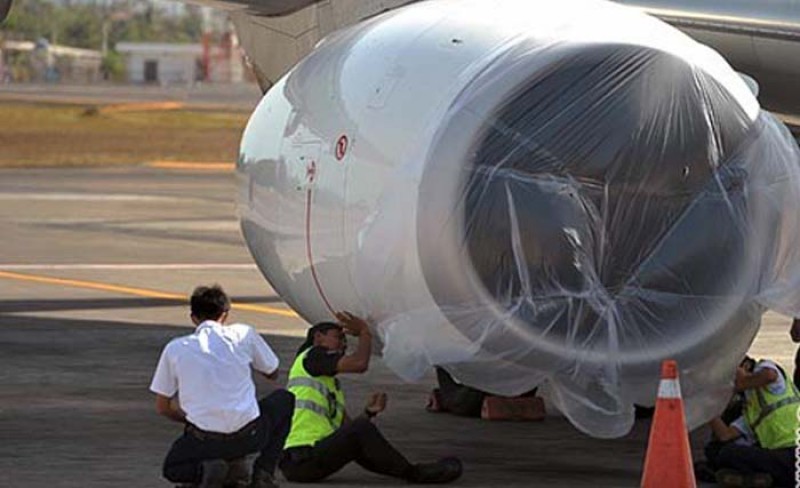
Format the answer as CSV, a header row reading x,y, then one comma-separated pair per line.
x,y
186,225
192,166
127,267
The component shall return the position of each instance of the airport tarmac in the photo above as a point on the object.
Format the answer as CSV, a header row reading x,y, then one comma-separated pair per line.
x,y
233,96
94,265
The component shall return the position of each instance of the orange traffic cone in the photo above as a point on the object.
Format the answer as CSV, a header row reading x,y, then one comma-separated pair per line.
x,y
668,463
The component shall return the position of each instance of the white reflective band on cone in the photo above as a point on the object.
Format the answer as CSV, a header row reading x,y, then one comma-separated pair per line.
x,y
669,389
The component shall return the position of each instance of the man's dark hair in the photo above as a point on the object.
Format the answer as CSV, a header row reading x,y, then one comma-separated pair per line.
x,y
321,327
748,363
209,303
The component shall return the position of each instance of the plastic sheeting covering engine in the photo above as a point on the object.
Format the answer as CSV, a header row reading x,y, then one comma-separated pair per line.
x,y
533,192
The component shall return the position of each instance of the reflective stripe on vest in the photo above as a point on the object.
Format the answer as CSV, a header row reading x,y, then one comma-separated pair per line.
x,y
319,405
765,409
334,405
774,418
313,406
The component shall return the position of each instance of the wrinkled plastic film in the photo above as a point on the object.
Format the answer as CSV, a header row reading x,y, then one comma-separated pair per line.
x,y
535,195
618,211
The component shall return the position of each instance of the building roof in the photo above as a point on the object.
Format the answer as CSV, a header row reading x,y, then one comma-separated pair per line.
x,y
156,48
55,49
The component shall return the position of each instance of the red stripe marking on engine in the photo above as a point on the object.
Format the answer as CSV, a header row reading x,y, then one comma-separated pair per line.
x,y
309,254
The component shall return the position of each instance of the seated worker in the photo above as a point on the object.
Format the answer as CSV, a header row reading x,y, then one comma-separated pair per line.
x,y
730,427
459,399
210,371
323,439
770,418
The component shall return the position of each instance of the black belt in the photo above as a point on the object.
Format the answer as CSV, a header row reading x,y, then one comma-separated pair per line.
x,y
205,435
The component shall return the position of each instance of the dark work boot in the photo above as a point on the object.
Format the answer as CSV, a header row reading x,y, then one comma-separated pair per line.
x,y
444,470
731,478
262,479
214,473
238,473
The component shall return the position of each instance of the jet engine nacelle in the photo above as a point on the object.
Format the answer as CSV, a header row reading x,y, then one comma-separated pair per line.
x,y
528,191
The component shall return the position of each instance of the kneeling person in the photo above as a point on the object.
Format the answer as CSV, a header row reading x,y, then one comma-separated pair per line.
x,y
323,439
210,372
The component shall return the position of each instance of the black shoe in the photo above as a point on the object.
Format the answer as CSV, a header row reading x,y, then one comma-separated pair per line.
x,y
442,471
262,479
730,478
214,473
704,473
238,474
759,480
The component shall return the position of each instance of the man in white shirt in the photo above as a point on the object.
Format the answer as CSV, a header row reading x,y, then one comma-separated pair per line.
x,y
204,381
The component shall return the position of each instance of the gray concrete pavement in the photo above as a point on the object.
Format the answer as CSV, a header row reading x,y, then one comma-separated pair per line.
x,y
240,96
90,262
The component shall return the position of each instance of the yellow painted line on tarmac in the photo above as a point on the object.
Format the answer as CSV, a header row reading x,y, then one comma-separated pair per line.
x,y
127,290
141,107
191,165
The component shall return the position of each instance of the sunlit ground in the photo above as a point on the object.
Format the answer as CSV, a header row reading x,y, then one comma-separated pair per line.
x,y
36,135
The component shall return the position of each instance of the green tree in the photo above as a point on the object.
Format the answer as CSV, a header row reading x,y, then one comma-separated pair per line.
x,y
81,25
113,66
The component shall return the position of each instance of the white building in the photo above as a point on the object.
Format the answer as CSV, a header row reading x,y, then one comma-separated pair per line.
x,y
165,64
42,61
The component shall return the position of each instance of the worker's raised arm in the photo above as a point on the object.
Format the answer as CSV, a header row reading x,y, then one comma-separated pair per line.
x,y
358,362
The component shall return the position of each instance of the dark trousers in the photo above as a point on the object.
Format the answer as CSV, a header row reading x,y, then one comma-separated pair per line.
x,y
265,435
358,441
456,398
779,463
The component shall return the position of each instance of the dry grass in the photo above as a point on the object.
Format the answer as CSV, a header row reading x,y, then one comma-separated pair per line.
x,y
43,135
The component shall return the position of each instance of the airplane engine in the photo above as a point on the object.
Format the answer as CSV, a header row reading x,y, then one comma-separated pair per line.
x,y
529,192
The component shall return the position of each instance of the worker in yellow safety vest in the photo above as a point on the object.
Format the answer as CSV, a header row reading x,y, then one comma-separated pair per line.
x,y
323,439
770,420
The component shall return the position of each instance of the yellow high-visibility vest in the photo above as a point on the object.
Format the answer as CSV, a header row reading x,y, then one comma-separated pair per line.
x,y
773,418
318,405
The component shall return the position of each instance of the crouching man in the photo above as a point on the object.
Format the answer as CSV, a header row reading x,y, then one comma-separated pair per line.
x,y
209,371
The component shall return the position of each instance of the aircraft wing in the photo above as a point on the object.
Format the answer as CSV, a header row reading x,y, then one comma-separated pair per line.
x,y
269,8
276,34
777,20
5,7
757,38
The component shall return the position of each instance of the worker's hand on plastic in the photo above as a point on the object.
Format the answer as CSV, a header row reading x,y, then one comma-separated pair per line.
x,y
376,403
352,324
741,375
795,332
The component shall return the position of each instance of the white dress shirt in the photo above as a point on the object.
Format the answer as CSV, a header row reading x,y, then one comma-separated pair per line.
x,y
210,372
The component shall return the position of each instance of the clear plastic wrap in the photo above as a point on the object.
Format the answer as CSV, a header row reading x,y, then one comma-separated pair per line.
x,y
570,195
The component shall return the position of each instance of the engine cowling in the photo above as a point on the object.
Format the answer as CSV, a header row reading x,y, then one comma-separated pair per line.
x,y
524,192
